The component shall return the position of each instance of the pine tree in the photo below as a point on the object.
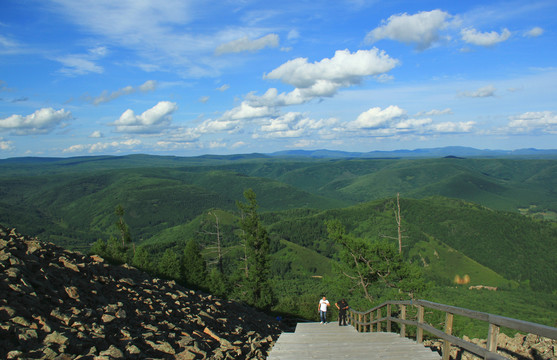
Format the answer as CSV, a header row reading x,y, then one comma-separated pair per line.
x,y
194,267
256,289
169,265
122,226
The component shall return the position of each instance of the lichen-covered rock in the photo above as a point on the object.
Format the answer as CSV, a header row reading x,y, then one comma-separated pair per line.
x,y
59,304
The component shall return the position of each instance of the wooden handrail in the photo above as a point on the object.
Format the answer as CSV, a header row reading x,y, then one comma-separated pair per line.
x,y
494,321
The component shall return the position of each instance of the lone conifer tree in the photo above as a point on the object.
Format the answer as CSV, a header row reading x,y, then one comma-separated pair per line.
x,y
256,289
194,267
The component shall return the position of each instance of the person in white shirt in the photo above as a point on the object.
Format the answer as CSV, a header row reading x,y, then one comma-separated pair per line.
x,y
323,305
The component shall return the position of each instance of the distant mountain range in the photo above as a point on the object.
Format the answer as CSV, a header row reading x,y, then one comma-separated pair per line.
x,y
440,152
449,151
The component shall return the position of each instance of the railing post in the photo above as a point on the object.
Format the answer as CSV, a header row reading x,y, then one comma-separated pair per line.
x,y
492,335
449,331
365,326
388,317
403,317
420,330
378,321
359,322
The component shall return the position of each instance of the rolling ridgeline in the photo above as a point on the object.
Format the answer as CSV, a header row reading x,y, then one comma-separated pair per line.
x,y
487,222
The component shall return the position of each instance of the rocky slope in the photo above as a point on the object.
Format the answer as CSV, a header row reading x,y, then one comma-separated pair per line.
x,y
59,304
519,347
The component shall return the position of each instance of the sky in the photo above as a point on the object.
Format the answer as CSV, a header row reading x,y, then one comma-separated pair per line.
x,y
188,77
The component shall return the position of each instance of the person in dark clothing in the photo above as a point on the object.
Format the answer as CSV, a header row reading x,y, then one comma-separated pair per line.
x,y
342,307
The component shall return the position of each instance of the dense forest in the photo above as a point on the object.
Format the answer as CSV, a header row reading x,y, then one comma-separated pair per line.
x,y
276,232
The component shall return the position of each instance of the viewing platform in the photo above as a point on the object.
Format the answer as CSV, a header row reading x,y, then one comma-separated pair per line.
x,y
330,341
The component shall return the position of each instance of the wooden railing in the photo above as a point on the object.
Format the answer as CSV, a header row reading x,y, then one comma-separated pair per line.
x,y
374,319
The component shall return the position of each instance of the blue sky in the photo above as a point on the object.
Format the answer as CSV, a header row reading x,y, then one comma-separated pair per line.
x,y
193,77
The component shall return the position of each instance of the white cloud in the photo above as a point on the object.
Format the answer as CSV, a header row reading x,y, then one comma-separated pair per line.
x,y
150,121
245,44
534,32
215,126
473,36
5,145
422,29
293,124
149,85
101,147
485,91
293,34
9,46
453,127
223,87
343,69
237,144
247,111
41,121
216,145
81,64
377,118
323,78
435,112
412,123
158,31
78,65
203,99
96,134
544,121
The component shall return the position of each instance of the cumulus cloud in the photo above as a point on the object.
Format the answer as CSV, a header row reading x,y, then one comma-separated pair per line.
x,y
96,134
376,117
323,78
223,87
292,124
412,123
544,121
485,91
394,121
101,147
149,85
453,127
473,36
534,32
41,121
217,125
245,44
150,121
422,29
343,69
247,111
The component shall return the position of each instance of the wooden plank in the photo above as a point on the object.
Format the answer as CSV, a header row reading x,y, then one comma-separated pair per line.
x,y
330,341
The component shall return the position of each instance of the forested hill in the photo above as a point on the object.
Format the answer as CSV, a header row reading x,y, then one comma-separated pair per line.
x,y
71,201
444,235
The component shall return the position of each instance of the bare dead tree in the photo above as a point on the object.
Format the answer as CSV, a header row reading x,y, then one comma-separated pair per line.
x,y
398,220
245,245
218,244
